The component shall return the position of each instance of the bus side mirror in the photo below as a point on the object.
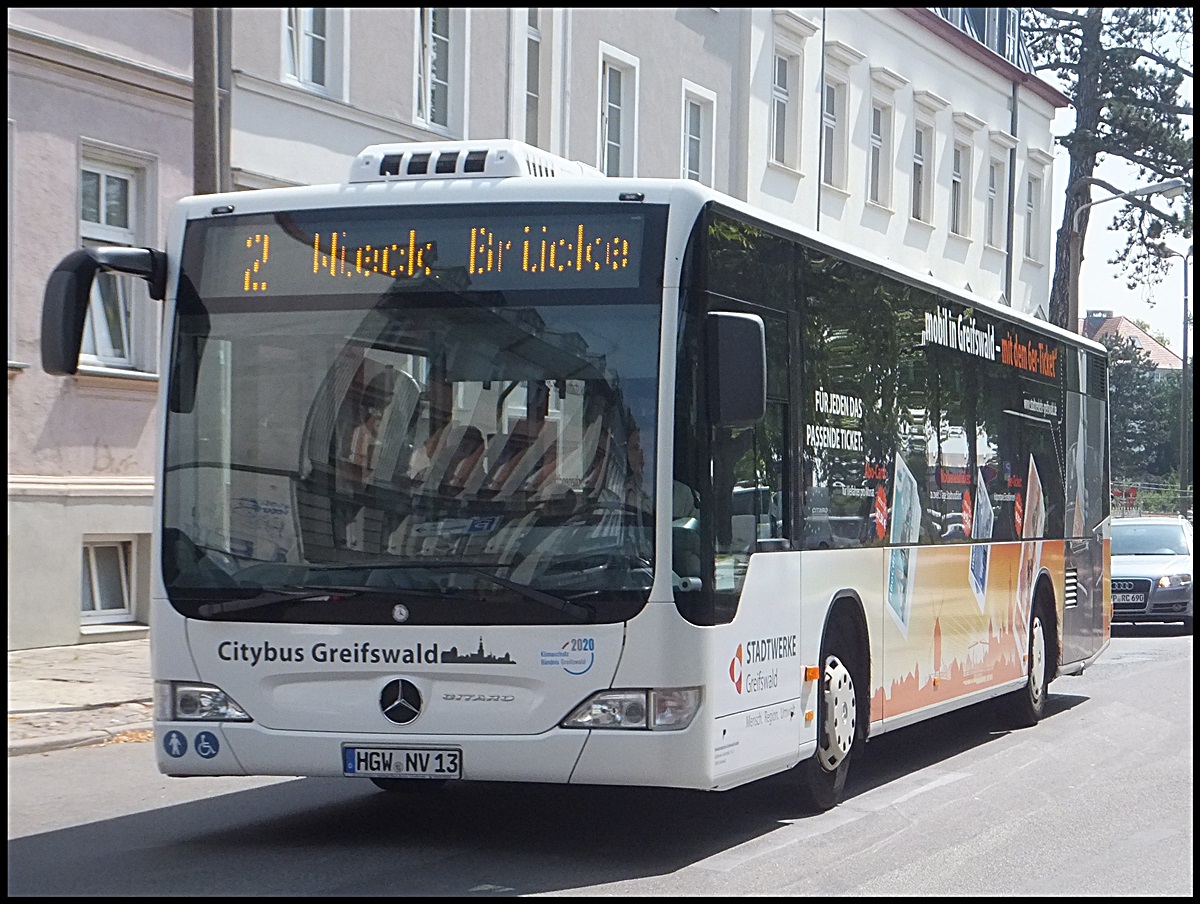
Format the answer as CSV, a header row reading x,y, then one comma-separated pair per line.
x,y
737,369
69,292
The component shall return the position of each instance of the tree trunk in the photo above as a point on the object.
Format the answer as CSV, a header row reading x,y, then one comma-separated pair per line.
x,y
1089,102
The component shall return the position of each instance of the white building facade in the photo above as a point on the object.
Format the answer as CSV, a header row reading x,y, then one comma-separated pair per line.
x,y
917,133
99,149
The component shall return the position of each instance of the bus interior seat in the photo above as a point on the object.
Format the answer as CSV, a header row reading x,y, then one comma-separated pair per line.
x,y
685,531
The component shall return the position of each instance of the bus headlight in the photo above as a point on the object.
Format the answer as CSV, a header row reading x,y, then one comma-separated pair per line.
x,y
656,709
193,702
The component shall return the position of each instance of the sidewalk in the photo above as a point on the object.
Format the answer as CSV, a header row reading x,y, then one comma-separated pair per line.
x,y
74,696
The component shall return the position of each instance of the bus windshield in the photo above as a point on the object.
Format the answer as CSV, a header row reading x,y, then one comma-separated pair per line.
x,y
438,445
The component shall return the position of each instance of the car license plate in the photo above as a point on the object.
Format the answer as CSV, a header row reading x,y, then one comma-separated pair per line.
x,y
402,762
1129,598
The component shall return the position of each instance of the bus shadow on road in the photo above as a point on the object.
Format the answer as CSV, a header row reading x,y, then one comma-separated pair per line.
x,y
1150,629
327,835
905,751
305,835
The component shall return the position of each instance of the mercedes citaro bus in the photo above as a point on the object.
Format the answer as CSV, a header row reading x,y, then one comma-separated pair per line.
x,y
481,465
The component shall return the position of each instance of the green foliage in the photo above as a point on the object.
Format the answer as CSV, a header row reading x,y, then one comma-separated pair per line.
x,y
1158,499
1127,71
1143,415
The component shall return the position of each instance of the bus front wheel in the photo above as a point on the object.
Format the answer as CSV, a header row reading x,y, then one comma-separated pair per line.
x,y
823,775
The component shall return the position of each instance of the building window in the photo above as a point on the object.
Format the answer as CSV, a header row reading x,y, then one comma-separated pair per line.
x,y
533,54
693,140
612,123
1012,31
106,580
697,157
618,112
785,113
107,206
975,22
779,109
1033,217
880,163
313,48
922,169
832,131
307,45
433,67
995,204
960,190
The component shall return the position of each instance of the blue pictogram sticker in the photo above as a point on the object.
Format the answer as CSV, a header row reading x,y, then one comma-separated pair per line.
x,y
349,754
207,744
174,743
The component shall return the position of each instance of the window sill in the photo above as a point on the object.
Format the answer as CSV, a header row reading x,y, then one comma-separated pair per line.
x,y
913,221
834,190
308,87
129,630
436,129
15,367
996,249
1033,262
881,208
959,237
784,168
93,377
120,373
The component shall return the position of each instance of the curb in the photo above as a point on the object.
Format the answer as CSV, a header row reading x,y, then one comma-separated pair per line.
x,y
81,739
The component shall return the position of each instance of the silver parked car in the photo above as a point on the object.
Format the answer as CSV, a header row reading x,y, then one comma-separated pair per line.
x,y
1152,570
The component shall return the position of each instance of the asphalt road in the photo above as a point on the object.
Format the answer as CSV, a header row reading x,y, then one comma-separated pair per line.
x,y
1095,800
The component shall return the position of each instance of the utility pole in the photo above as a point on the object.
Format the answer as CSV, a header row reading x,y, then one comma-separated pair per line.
x,y
211,77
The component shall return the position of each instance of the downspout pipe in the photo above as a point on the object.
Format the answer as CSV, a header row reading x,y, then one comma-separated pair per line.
x,y
1012,198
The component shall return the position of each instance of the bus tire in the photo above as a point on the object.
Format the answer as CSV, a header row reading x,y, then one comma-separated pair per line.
x,y
822,777
1028,705
409,785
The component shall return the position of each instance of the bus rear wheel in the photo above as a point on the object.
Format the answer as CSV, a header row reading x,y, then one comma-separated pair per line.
x,y
822,777
1028,705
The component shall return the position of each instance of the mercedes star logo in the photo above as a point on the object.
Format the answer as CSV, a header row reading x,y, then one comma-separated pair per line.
x,y
400,701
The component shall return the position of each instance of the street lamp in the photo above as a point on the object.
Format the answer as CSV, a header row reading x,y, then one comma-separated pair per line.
x,y
1164,251
1172,188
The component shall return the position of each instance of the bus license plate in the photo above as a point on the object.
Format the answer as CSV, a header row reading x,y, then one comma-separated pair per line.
x,y
402,762
1129,598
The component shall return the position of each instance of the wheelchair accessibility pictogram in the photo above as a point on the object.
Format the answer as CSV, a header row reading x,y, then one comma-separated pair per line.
x,y
207,744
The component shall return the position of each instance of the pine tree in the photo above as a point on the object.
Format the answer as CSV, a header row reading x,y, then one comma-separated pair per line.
x,y
1128,74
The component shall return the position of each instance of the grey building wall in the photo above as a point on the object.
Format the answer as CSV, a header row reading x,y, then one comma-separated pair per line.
x,y
118,82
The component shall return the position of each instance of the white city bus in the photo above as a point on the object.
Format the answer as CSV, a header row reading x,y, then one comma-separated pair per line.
x,y
483,466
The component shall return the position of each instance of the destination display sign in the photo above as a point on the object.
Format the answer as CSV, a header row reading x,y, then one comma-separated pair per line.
x,y
305,253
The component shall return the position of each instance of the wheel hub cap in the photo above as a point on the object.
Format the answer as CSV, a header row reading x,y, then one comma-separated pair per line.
x,y
837,699
1037,660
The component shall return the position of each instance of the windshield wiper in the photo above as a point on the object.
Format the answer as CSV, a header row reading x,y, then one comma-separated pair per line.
x,y
257,598
585,612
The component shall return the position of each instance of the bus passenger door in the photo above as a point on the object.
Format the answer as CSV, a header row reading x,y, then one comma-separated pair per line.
x,y
1086,507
